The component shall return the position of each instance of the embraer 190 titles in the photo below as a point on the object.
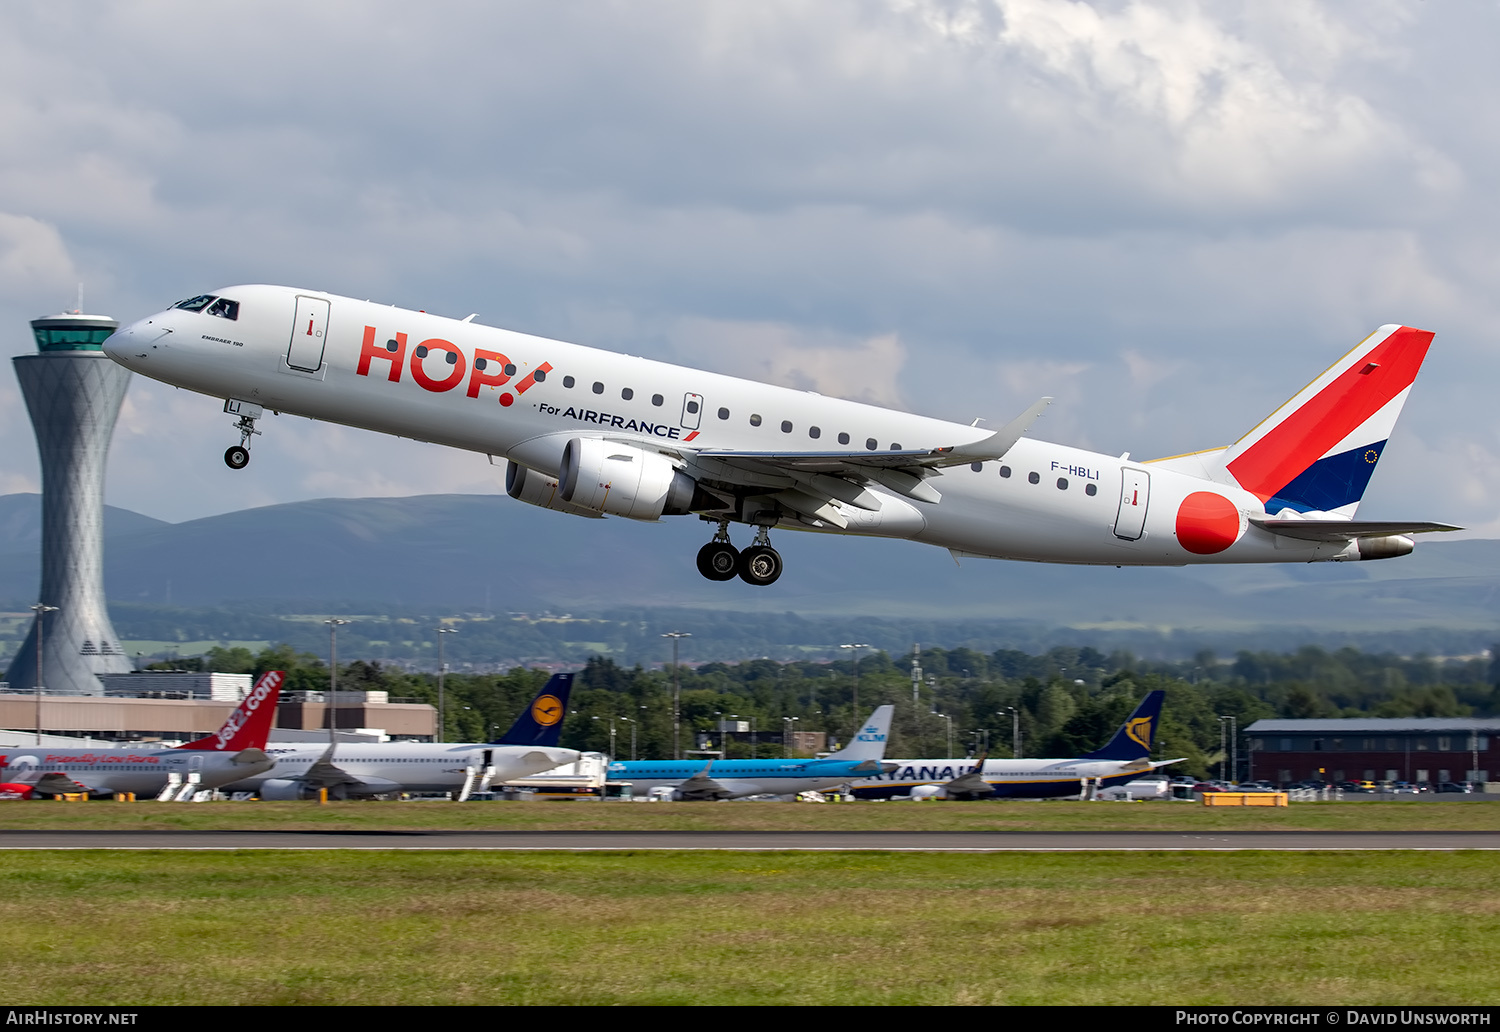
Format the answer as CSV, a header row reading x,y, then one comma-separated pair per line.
x,y
594,433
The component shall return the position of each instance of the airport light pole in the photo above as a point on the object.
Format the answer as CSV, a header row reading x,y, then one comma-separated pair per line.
x,y
1015,731
41,610
786,734
333,678
856,649
632,722
1229,725
442,669
676,637
611,734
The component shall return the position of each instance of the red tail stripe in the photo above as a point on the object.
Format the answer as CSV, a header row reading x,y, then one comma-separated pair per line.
x,y
1332,414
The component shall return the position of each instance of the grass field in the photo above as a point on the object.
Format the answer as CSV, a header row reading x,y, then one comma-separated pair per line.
x,y
1425,815
713,928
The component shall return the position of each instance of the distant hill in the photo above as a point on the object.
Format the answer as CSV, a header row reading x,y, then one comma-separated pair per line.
x,y
489,553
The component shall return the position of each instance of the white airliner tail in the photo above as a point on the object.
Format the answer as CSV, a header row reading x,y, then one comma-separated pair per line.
x,y
869,744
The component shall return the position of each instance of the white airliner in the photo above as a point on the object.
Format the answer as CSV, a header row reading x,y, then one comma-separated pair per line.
x,y
235,751
363,769
1123,758
595,433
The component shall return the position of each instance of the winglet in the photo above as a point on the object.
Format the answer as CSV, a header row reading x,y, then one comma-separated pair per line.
x,y
249,725
1003,440
541,722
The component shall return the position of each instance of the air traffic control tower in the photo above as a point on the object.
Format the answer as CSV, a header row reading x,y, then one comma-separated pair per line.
x,y
73,392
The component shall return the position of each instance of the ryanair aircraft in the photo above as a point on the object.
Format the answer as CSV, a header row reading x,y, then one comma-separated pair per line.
x,y
1125,758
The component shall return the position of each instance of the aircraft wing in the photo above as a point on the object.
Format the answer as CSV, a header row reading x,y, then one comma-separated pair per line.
x,y
51,783
814,483
1345,530
323,773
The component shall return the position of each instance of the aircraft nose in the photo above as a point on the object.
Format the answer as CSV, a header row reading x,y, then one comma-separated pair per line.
x,y
134,343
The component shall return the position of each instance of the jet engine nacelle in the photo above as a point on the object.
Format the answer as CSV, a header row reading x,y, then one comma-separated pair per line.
x,y
280,789
606,477
533,488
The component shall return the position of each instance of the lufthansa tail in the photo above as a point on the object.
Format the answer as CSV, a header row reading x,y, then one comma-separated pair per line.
x,y
1136,736
541,722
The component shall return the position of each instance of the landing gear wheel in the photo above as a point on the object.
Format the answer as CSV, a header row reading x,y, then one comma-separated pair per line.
x,y
237,457
760,565
718,560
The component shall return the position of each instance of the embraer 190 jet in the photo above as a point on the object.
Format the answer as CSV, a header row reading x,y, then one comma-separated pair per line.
x,y
594,433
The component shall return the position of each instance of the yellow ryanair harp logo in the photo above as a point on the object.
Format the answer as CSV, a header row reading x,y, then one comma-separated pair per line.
x,y
1139,729
546,710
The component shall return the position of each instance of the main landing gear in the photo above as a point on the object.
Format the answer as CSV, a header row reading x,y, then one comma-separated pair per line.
x,y
760,564
238,456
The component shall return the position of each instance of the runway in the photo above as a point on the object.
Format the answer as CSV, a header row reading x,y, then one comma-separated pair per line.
x,y
759,841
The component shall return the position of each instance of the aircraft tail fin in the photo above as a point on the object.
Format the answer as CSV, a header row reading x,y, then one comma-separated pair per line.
x,y
869,743
541,722
1134,739
1316,453
249,725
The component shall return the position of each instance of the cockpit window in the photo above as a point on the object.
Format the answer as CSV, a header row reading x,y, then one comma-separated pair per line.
x,y
195,304
225,309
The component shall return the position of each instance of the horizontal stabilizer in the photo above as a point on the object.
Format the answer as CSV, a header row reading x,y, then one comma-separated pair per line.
x,y
1345,530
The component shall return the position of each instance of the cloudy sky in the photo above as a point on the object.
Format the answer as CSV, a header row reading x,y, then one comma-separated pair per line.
x,y
1168,215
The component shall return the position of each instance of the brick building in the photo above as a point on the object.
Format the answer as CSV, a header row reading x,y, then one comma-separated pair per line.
x,y
1415,749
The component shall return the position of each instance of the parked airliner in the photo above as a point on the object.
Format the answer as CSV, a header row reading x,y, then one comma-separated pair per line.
x,y
235,751
1124,757
699,780
361,769
594,433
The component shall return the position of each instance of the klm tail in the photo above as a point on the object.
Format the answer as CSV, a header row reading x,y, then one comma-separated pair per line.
x,y
541,722
1134,739
869,744
1316,453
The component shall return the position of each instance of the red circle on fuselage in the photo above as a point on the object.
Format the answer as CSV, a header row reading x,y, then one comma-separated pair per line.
x,y
1207,523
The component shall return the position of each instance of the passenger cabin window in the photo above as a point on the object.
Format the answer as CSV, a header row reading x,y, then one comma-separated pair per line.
x,y
814,432
1091,490
755,419
598,388
786,426
692,408
225,309
843,438
977,467
1062,483
723,413
871,443
539,375
895,447
568,382
657,399
1005,471
626,393
510,369
1034,478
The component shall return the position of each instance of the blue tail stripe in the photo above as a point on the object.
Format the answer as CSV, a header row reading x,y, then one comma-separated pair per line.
x,y
1329,483
1137,735
551,700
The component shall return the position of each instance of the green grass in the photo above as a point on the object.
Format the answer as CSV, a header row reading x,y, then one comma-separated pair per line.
x,y
712,928
1423,815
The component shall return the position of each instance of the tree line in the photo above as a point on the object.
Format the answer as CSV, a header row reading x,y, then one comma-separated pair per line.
x,y
1060,702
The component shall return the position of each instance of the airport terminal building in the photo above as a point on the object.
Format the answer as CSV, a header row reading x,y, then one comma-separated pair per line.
x,y
1412,749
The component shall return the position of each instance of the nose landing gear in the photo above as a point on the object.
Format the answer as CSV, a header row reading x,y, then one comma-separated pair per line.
x,y
238,456
760,564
